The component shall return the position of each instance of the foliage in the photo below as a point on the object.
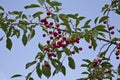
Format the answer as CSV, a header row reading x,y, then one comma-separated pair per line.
x,y
65,32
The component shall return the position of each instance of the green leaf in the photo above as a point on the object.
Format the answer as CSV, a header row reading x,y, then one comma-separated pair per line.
x,y
84,65
1,38
16,13
103,19
37,14
71,63
28,76
78,20
31,6
46,71
87,60
23,22
55,17
85,73
67,51
23,27
87,22
38,70
31,35
24,39
9,43
103,53
118,31
41,2
86,25
16,75
118,69
55,3
96,19
30,64
74,16
64,18
94,44
76,49
63,70
40,46
1,8
101,28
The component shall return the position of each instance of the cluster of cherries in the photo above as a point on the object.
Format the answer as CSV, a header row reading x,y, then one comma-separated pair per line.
x,y
110,28
57,37
117,51
97,62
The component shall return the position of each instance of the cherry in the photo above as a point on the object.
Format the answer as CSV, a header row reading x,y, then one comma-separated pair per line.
x,y
90,46
48,41
112,32
117,57
50,32
73,52
80,48
46,64
51,37
48,13
64,38
44,35
111,28
105,22
47,25
95,63
43,20
51,23
57,25
99,60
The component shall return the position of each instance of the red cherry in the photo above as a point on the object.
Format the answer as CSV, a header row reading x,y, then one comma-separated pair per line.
x,y
105,22
73,52
112,32
57,25
46,64
90,46
51,23
51,37
50,32
80,48
44,35
48,41
99,60
47,25
48,13
43,20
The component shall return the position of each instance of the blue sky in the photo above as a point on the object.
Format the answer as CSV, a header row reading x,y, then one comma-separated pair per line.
x,y
12,62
